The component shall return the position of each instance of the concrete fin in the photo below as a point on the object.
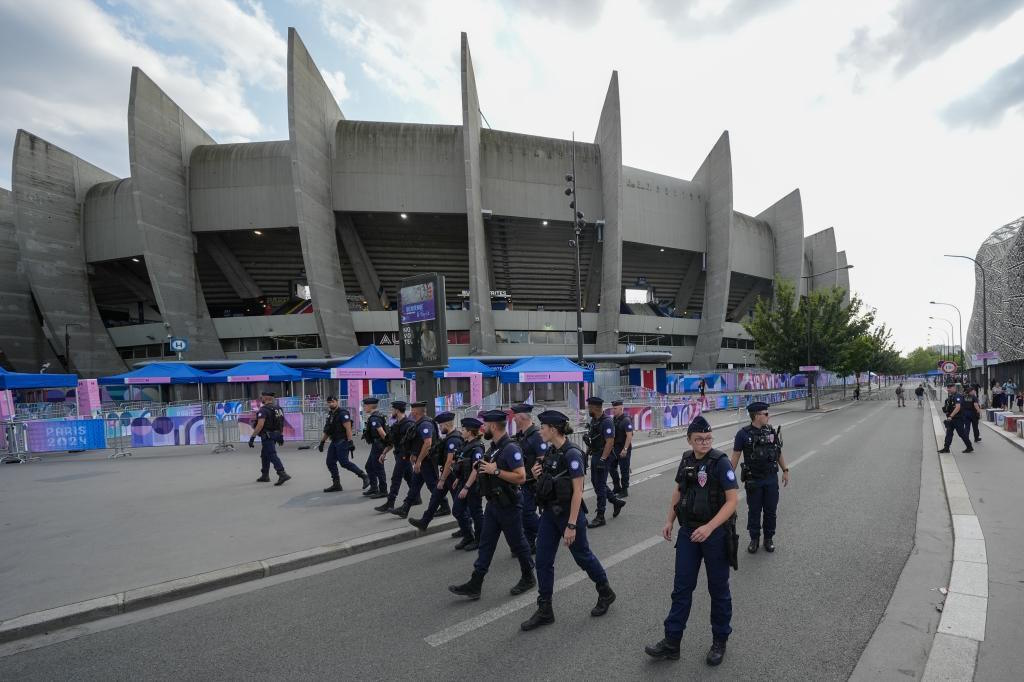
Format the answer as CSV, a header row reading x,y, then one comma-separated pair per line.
x,y
609,141
786,218
369,282
235,273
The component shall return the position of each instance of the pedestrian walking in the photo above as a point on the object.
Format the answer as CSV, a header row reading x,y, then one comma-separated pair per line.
x,y
375,434
418,443
338,428
622,449
443,456
467,507
534,448
761,448
270,430
972,412
600,439
397,440
919,394
900,401
955,422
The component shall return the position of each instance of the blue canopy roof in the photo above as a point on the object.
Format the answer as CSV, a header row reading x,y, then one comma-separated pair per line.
x,y
9,380
467,365
541,365
370,357
253,372
158,373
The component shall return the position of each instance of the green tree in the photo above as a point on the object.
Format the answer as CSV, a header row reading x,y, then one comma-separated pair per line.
x,y
921,360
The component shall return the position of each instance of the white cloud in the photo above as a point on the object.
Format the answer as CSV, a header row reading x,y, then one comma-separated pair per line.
x,y
336,83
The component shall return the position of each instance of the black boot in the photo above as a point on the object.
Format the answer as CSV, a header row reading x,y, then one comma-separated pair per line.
x,y
419,523
625,492
387,506
526,583
282,477
754,544
473,545
618,503
944,451
457,534
263,479
605,597
379,494
598,521
769,545
665,649
335,487
544,615
470,589
402,511
969,449
366,480
716,653
464,542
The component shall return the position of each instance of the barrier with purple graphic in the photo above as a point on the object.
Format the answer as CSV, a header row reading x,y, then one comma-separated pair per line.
x,y
55,435
160,431
293,424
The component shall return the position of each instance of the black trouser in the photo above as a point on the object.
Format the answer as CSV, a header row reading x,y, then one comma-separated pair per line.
x,y
974,423
961,428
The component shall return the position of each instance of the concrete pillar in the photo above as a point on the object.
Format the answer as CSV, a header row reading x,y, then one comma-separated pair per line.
x,y
689,281
234,272
821,255
481,323
161,138
21,335
313,116
715,177
609,142
843,276
49,186
746,303
786,218
369,282
592,285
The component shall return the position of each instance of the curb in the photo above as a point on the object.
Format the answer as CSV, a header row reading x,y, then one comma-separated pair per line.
x,y
954,651
1006,434
42,622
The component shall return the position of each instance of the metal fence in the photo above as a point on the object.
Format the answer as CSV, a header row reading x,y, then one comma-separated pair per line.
x,y
221,432
118,433
31,411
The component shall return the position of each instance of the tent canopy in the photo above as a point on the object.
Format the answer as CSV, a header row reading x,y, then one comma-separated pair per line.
x,y
544,369
253,372
10,380
460,366
157,373
369,363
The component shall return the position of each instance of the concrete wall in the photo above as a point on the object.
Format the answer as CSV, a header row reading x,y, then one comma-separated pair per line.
x,y
161,138
524,176
609,140
49,186
843,276
715,177
21,336
786,218
313,117
481,329
662,211
820,252
245,186
109,228
753,246
398,167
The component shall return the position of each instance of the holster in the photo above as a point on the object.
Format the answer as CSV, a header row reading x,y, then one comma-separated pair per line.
x,y
732,541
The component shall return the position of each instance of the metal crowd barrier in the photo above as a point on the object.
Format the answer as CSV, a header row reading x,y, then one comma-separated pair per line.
x,y
118,433
15,444
223,430
313,426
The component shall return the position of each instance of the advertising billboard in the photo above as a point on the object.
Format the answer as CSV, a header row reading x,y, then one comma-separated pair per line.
x,y
423,335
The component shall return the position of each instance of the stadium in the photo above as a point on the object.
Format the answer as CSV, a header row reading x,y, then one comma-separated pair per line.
x,y
293,249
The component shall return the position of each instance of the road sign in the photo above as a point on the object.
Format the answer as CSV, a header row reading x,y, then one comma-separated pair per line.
x,y
178,345
992,355
630,347
949,367
810,368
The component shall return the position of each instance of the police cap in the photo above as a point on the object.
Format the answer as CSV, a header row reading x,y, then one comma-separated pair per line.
x,y
418,403
371,401
754,408
698,425
594,400
495,416
444,417
472,423
616,403
552,418
332,399
399,405
522,408
269,394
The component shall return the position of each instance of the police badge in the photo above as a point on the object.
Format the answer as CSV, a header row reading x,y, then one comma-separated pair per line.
x,y
702,478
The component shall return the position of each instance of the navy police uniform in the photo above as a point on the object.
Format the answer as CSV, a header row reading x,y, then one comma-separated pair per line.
x,y
623,455
468,509
270,436
759,472
374,467
423,429
958,424
397,434
503,514
702,483
534,448
599,430
440,451
341,447
562,466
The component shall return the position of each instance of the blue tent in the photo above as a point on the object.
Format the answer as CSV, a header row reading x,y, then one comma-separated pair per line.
x,y
253,372
157,373
370,357
543,369
12,380
466,365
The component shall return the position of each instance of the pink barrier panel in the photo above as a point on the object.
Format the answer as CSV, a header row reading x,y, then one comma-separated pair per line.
x,y
160,431
293,423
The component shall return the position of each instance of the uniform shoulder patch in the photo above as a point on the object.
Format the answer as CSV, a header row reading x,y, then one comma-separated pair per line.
x,y
574,465
608,431
730,475
543,446
517,455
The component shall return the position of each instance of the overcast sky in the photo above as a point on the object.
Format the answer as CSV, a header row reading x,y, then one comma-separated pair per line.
x,y
902,122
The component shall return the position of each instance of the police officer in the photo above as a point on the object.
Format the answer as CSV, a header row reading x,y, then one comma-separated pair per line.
x,y
467,506
704,502
955,422
376,435
443,453
622,450
761,447
534,448
269,427
419,441
972,412
338,427
560,494
500,474
600,441
397,435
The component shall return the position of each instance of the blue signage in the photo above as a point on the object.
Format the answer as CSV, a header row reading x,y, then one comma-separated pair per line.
x,y
66,434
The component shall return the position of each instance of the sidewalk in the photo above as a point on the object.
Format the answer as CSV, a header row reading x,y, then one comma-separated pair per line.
x,y
81,527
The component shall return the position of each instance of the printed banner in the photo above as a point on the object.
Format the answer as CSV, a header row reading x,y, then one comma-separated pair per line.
x,y
293,424
549,377
65,434
147,380
162,431
248,378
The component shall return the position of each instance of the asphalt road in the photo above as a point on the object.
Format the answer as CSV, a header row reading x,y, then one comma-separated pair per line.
x,y
806,612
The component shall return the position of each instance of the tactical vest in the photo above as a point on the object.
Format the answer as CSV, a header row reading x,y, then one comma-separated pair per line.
x,y
620,431
464,461
554,486
699,503
439,449
335,425
398,434
595,436
761,453
273,419
413,438
371,435
494,487
529,453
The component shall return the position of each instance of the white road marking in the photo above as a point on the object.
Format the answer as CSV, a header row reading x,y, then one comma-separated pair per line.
x,y
498,612
833,439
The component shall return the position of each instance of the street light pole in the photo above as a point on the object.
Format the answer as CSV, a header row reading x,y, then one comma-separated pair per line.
x,y
812,394
984,316
952,336
67,344
960,319
578,224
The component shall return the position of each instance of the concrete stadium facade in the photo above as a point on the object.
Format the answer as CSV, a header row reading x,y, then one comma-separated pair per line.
x,y
1002,257
293,248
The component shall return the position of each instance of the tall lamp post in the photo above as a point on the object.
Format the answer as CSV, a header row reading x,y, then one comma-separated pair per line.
x,y
578,223
952,336
812,394
960,319
984,316
944,340
67,344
